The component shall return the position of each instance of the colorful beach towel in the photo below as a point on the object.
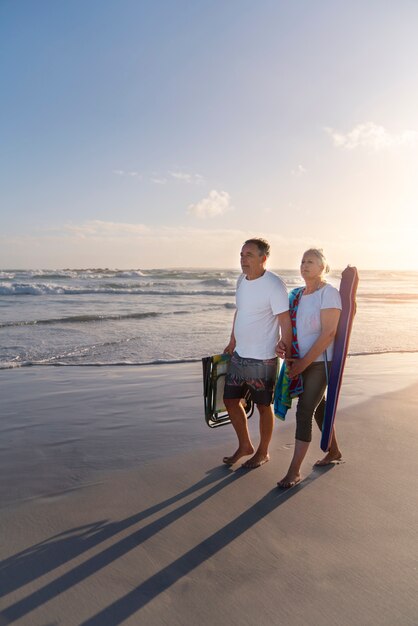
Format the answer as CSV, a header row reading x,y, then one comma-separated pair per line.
x,y
288,388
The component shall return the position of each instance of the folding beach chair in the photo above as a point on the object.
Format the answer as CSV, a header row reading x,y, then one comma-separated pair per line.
x,y
214,371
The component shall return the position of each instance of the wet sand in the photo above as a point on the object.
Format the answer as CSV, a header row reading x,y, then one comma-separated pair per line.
x,y
116,508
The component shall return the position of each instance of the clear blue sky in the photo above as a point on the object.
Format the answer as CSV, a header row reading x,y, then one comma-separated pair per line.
x,y
164,133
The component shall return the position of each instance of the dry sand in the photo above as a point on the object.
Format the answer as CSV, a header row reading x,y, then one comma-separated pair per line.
x,y
115,507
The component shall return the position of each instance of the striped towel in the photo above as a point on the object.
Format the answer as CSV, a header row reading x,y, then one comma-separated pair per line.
x,y
288,388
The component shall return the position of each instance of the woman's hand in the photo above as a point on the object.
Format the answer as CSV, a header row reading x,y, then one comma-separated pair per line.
x,y
295,367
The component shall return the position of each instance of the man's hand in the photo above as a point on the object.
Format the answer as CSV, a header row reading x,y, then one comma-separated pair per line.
x,y
281,349
231,346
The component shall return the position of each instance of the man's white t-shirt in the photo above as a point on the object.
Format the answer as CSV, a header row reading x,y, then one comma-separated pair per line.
x,y
308,318
256,327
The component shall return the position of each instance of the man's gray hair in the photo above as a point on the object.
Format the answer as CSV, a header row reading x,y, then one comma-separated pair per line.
x,y
262,245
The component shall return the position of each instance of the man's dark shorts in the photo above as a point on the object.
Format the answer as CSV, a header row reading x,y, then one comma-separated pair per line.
x,y
256,376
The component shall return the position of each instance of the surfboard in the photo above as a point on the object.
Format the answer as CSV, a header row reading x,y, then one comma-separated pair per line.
x,y
348,290
214,372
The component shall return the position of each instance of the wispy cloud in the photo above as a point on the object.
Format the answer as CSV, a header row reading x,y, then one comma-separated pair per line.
x,y
158,178
191,179
132,173
216,203
98,228
298,171
91,244
372,136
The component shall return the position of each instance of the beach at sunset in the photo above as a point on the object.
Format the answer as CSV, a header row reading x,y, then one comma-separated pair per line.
x,y
116,507
153,154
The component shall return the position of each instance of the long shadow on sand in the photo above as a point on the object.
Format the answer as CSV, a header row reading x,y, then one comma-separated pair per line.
x,y
46,556
132,602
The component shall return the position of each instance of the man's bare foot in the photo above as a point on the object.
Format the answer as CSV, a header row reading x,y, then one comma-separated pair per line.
x,y
244,451
329,459
290,480
256,460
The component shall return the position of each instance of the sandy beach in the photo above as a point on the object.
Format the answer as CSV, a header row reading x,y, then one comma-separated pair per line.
x,y
179,179
116,508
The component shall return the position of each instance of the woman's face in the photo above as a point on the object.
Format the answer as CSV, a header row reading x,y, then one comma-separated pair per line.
x,y
311,267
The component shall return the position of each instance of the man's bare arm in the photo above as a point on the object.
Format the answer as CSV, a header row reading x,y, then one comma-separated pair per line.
x,y
286,331
232,343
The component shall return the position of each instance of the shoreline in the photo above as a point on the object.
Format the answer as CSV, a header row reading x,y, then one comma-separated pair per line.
x,y
161,362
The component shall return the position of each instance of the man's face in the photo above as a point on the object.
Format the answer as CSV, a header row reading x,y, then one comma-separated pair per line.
x,y
252,262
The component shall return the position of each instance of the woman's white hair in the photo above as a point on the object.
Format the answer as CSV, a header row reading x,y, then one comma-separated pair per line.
x,y
319,253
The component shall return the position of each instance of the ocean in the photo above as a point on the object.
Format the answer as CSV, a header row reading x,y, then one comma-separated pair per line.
x,y
102,317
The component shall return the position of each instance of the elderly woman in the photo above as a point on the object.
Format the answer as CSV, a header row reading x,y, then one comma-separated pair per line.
x,y
318,311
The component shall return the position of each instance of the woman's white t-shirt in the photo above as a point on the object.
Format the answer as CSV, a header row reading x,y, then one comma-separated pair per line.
x,y
256,327
308,318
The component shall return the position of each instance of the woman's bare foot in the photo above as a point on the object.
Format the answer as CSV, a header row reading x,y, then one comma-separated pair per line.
x,y
244,451
329,459
290,480
255,461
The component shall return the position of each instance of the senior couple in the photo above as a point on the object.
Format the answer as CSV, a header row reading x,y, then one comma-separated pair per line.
x,y
261,331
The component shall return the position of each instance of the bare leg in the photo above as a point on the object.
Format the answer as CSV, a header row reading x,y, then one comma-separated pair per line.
x,y
266,431
293,476
333,455
238,419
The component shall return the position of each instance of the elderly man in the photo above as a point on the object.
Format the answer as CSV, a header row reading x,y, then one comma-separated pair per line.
x,y
262,312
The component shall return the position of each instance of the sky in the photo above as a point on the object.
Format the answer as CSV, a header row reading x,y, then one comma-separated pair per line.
x,y
164,133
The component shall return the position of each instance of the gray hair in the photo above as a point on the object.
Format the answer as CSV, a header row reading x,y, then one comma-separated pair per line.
x,y
319,253
262,245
